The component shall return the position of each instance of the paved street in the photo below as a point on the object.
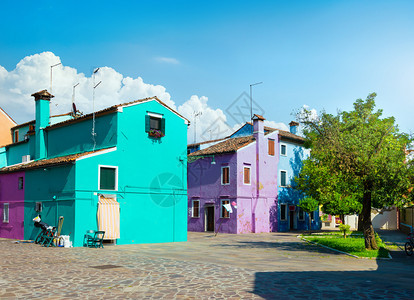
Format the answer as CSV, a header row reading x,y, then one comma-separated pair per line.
x,y
269,266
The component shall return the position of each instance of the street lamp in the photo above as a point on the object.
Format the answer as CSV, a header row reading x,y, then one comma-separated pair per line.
x,y
251,99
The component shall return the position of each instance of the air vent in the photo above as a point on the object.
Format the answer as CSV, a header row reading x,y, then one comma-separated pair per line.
x,y
25,158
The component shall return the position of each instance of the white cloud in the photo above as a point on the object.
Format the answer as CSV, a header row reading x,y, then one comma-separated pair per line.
x,y
168,60
210,124
32,74
276,125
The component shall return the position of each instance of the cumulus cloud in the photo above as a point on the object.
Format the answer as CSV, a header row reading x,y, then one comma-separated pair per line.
x,y
209,124
168,60
32,74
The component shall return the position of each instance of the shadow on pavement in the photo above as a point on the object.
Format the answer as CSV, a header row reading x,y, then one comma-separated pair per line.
x,y
391,280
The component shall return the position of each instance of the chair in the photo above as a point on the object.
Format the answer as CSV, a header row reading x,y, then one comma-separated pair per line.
x,y
93,239
88,238
98,239
48,238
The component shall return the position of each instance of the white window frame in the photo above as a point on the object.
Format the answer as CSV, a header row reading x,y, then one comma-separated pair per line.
x,y
283,218
221,208
223,177
303,214
99,176
192,208
280,181
283,144
250,175
6,213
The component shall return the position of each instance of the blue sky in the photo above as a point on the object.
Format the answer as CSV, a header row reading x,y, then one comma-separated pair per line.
x,y
324,54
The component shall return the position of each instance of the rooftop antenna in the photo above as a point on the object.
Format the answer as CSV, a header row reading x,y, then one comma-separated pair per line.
x,y
50,102
251,98
73,99
93,108
196,114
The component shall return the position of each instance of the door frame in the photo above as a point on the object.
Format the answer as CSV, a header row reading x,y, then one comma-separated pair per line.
x,y
206,219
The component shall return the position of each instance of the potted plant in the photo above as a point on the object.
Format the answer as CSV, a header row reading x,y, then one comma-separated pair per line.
x,y
155,133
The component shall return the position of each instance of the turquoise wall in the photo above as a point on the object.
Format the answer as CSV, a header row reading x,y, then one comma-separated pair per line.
x,y
76,137
15,153
41,185
152,181
3,157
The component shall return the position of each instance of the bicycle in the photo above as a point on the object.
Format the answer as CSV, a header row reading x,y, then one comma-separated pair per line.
x,y
409,246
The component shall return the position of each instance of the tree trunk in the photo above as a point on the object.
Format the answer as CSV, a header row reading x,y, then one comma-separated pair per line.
x,y
310,223
369,233
360,218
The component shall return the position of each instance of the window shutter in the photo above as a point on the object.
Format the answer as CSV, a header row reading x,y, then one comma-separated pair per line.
x,y
163,126
147,123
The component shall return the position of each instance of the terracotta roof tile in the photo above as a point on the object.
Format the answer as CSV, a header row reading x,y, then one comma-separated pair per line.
x,y
227,146
258,117
55,161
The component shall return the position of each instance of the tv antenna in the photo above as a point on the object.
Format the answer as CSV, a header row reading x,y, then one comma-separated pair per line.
x,y
93,108
50,102
196,114
73,99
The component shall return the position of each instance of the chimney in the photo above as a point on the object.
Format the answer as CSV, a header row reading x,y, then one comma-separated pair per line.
x,y
42,102
293,127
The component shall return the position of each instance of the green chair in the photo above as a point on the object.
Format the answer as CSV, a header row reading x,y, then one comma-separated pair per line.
x,y
49,237
94,239
88,238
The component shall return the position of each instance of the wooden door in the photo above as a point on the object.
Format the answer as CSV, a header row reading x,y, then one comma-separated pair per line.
x,y
209,218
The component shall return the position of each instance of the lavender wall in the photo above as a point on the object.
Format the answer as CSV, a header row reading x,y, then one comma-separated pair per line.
x,y
204,184
254,202
9,193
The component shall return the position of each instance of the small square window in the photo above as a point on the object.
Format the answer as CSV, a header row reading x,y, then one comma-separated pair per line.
x,y
196,209
271,147
108,178
155,123
225,175
224,212
20,183
246,175
283,212
283,149
283,175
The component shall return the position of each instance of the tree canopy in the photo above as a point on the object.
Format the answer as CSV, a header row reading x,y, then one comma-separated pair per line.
x,y
357,157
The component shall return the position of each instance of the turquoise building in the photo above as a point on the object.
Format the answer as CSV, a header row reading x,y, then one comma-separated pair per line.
x,y
121,169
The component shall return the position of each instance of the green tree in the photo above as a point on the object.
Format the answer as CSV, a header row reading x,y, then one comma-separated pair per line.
x,y
309,205
360,155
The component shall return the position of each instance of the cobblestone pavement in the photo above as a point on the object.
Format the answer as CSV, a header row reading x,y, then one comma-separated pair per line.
x,y
250,266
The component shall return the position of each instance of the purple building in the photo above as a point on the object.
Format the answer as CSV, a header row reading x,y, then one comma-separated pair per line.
x,y
240,173
12,205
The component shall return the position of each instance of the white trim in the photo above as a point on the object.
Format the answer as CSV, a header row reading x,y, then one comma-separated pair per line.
x,y
120,109
99,177
7,116
98,152
222,175
192,208
250,174
159,116
221,208
164,105
280,180
286,208
4,212
283,144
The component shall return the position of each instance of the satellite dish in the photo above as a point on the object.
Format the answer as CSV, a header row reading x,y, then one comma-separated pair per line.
x,y
74,108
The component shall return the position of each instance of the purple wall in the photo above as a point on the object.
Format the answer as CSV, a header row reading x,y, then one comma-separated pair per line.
x,y
9,193
254,202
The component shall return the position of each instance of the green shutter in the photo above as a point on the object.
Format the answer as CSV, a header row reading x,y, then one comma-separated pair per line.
x,y
147,123
163,126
